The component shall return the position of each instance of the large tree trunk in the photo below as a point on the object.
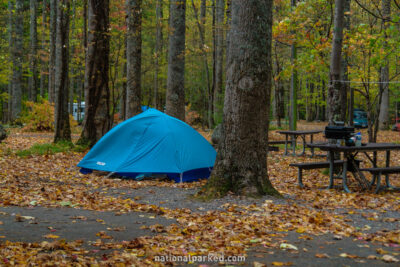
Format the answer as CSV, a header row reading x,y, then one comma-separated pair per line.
x,y
32,81
219,56
17,60
333,101
134,57
97,92
384,72
241,165
176,60
158,51
52,58
62,129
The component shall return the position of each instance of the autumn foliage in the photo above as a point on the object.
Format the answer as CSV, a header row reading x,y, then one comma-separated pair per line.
x,y
40,117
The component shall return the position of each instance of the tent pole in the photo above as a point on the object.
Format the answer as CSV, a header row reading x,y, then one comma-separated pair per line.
x,y
110,174
181,176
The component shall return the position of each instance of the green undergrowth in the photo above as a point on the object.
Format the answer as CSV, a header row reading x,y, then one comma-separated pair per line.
x,y
50,149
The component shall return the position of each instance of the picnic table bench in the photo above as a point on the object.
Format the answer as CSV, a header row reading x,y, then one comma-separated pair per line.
x,y
272,147
313,165
377,172
350,162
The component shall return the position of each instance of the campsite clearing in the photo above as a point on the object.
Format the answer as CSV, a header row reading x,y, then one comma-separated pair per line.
x,y
44,200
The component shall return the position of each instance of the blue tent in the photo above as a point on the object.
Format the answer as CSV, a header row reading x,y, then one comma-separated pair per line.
x,y
152,142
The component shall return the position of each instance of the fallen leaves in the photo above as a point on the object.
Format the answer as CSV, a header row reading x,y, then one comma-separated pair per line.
x,y
389,258
51,236
278,263
321,255
288,246
54,181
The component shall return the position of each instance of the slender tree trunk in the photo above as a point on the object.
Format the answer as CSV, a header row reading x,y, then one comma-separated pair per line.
x,y
158,51
72,77
17,58
293,82
43,63
97,92
176,60
219,55
241,165
53,34
334,88
344,65
62,129
7,115
32,80
134,57
200,25
214,62
279,92
85,42
123,94
384,71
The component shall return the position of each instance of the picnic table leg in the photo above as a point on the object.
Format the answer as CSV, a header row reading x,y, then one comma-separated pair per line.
x,y
378,184
312,149
304,145
387,165
300,178
331,168
294,141
286,144
344,175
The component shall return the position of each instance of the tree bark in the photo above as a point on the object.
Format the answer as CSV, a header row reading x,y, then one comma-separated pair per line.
x,y
17,57
176,60
335,86
241,165
384,71
97,92
158,51
62,127
32,80
134,57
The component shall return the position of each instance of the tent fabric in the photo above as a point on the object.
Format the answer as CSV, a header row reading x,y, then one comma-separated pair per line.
x,y
152,142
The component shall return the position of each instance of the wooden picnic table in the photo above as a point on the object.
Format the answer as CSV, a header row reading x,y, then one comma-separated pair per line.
x,y
350,163
295,135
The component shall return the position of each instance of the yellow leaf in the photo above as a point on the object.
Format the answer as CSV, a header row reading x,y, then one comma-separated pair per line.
x,y
51,236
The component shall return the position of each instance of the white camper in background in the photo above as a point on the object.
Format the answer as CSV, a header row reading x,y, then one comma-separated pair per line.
x,y
78,112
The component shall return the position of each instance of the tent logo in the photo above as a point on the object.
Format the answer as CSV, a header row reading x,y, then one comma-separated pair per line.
x,y
101,163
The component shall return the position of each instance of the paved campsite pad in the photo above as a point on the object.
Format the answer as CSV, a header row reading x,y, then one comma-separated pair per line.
x,y
72,224
33,224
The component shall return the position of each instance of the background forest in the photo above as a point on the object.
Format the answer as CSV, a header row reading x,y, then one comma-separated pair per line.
x,y
301,51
